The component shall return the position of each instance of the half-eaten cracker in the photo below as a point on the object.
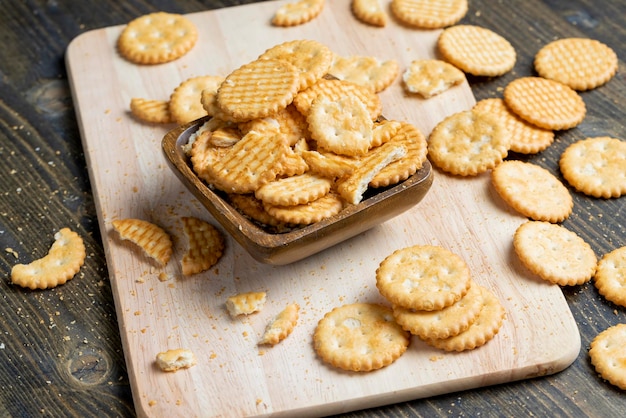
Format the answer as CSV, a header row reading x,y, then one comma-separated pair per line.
x,y
205,245
152,239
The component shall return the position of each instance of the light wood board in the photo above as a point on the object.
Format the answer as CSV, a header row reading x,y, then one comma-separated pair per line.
x,y
234,377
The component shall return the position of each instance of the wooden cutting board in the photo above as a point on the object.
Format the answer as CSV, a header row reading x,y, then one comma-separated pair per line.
x,y
160,309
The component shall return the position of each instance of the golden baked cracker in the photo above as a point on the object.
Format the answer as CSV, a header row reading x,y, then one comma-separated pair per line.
x,y
430,77
175,359
294,190
353,187
253,161
288,121
416,149
525,137
297,12
258,89
281,325
468,143
293,164
253,208
205,245
554,253
341,125
152,239
157,38
359,337
429,14
311,58
245,303
443,323
607,353
579,63
365,70
532,191
482,330
610,276
328,164
185,101
383,131
596,166
476,50
423,277
308,213
151,110
336,89
203,154
545,103
370,12
64,259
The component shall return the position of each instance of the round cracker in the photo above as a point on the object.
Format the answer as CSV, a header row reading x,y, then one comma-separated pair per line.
x,y
579,63
607,353
429,14
610,277
360,337
554,253
596,166
532,191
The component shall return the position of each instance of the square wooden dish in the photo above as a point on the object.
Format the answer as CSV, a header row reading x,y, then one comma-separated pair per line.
x,y
283,248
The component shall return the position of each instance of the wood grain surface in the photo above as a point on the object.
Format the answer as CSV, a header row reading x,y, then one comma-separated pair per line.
x,y
62,350
131,179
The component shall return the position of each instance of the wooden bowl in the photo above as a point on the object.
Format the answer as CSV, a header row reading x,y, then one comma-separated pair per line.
x,y
377,207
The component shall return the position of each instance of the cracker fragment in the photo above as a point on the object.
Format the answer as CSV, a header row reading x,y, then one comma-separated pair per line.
x,y
610,276
205,245
580,63
532,191
481,331
370,12
354,186
297,12
545,103
608,353
157,38
360,337
429,14
245,303
430,77
365,70
175,359
554,253
423,277
525,137
64,259
152,239
151,110
596,166
476,50
468,143
186,99
281,325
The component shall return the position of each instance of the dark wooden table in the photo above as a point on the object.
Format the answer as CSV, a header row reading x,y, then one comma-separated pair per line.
x,y
60,349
